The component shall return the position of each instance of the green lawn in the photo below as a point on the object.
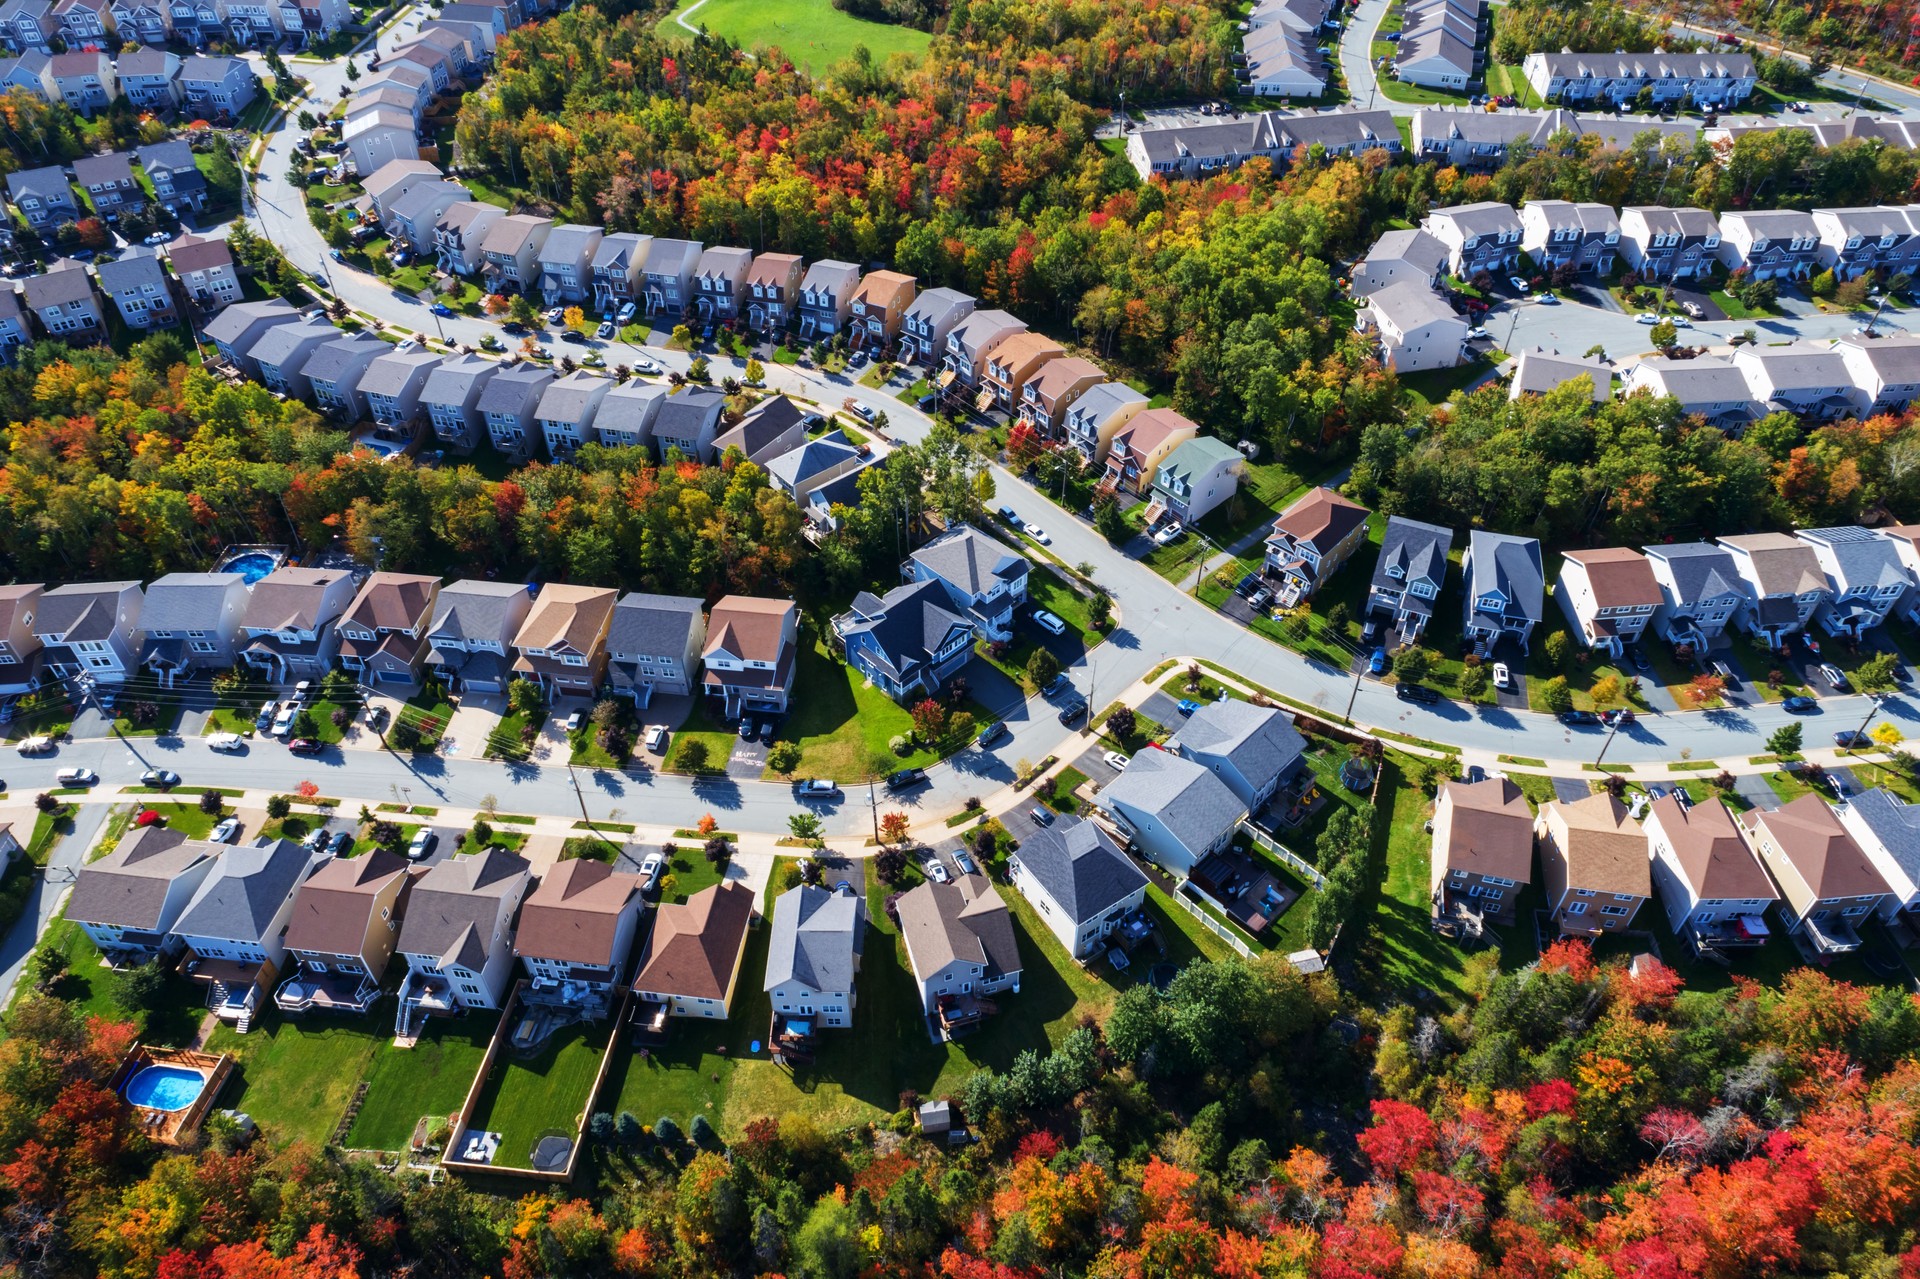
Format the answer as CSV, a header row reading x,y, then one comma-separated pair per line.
x,y
1427,390
431,1078
161,725
526,1099
48,830
427,710
187,818
585,741
843,725
1264,492
230,719
94,990
504,741
1401,947
709,732
1058,793
296,1077
813,33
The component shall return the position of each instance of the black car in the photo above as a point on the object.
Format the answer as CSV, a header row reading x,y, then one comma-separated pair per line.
x,y
342,840
1579,719
574,336
1639,657
1416,693
1852,741
906,779
1799,705
305,746
514,327
1073,710
991,733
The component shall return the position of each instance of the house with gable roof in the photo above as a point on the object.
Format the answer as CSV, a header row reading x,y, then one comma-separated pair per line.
x,y
457,937
1079,881
813,954
575,932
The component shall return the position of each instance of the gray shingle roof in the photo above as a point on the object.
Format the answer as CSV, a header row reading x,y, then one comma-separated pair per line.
x,y
1418,550
796,468
454,907
630,407
970,560
1261,742
909,624
1894,823
389,374
1510,565
686,415
138,269
1193,804
244,891
570,243
816,940
452,382
765,424
82,610
1861,558
1486,217
128,887
175,156
672,257
964,920
652,625
349,354
514,389
1084,872
1700,571
63,284
937,305
570,398
115,166
475,610
284,341
200,67
186,601
1103,401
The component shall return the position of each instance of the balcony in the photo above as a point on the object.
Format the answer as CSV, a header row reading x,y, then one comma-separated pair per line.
x,y
346,992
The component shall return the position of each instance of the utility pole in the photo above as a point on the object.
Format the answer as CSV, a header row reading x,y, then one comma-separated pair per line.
x,y
873,806
575,779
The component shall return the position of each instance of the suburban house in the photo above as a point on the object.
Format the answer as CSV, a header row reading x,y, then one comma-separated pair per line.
x,y
1311,539
566,411
566,263
1250,748
28,25
19,649
880,303
507,404
1506,588
473,627
667,277
750,653
1139,447
813,954
1438,53
1608,595
1887,828
1482,852
1770,244
773,289
334,370
511,252
197,23
289,628
86,81
1713,888
616,271
31,72
206,272
190,622
140,290
1079,881
1665,244
826,298
383,632
1783,583
1185,150
220,87
653,646
148,21
1593,865
177,181
457,937
1856,242
1011,362
563,641
394,179
961,946
1700,589
691,962
64,302
1418,329
908,642
773,428
451,397
1282,63
1540,372
1557,233
627,412
86,24
813,464
1098,415
390,389
1906,541
128,901
1705,80
235,927
1884,372
460,235
1175,812
719,283
14,330
1828,885
924,330
1398,257
88,628
1045,399
413,220
1806,379
110,185
690,422
1479,237
1196,477
969,340
43,197
575,933
1409,575
344,926
281,352
1865,578
983,579
1708,387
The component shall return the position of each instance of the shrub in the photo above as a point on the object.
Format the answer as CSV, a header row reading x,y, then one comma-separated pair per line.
x,y
1556,695
666,1131
278,806
702,1132
404,736
628,1128
600,1127
691,754
211,802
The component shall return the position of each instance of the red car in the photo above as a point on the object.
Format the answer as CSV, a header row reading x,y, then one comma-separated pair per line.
x,y
305,746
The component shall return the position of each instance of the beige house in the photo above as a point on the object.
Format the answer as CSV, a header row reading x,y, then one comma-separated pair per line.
x,y
1609,595
750,654
1134,457
691,961
1050,392
1593,865
1012,361
1711,884
563,642
1482,850
879,305
345,924
1828,884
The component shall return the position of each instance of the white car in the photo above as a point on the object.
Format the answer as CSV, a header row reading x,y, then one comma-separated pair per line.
x,y
422,843
1519,285
657,739
1646,318
76,777
1049,623
1168,534
1039,535
650,867
226,831
36,746
226,743
937,871
647,367
1681,321
283,722
1116,761
1502,677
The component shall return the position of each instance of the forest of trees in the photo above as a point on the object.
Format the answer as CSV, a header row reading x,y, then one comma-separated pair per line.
x,y
1585,26
1880,37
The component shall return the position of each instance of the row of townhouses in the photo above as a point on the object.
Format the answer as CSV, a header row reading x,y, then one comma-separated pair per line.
x,y
1442,43
1711,81
1822,870
1283,50
88,80
49,197
1221,145
32,26
68,306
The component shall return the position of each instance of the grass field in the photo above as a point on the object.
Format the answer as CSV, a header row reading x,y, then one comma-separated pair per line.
x,y
524,1100
813,33
431,1078
296,1077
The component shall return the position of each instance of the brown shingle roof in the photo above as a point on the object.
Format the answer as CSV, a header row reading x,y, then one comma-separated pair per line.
x,y
289,598
1606,851
1716,861
964,920
573,615
695,946
574,916
392,601
1321,518
1809,835
748,627
771,268
331,910
1619,576
1057,377
1150,428
1486,828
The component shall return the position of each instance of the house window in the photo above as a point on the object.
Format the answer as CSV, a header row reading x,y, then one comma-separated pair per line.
x,y
1576,908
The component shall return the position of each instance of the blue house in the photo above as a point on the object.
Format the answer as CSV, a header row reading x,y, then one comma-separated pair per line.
x,y
909,641
983,578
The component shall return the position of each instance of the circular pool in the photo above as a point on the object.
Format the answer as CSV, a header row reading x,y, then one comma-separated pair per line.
x,y
252,566
165,1087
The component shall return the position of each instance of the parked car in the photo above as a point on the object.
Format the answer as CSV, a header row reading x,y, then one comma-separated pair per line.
x,y
1416,693
1725,672
1041,817
1694,309
556,314
1835,677
1680,321
650,867
578,721
225,831
1008,514
816,787
283,721
606,331
937,870
1547,299
442,310
160,778
992,733
1116,761
1039,535
306,746
1168,533
1799,705
1186,706
1647,319
422,843
1057,685
1617,718
1377,664
226,743
1519,285
316,839
35,746
657,739
1502,677
1073,710
1640,659
1682,798
960,859
76,777
627,313
1579,719
303,692
342,840
574,336
1048,622
906,779
264,720
1852,740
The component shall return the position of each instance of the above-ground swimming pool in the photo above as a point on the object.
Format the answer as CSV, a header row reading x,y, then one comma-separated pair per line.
x,y
252,566
165,1087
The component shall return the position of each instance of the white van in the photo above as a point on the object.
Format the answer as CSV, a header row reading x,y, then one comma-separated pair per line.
x,y
228,743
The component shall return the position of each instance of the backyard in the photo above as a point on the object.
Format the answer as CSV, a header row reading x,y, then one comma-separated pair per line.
x,y
296,1077
429,1079
525,1099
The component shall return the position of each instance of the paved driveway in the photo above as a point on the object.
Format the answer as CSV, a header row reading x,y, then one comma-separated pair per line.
x,y
473,720
1163,709
1753,788
1569,790
747,760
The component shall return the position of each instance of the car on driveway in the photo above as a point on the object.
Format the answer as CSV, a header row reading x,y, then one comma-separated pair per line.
x,y
556,314
1835,677
906,779
1187,706
283,721
578,721
1377,664
657,739
1799,705
627,313
1502,677
1041,817
1116,761
342,840
816,788
1852,740
650,867
226,831
160,778
1579,719
76,777
937,870
1169,533
422,843
1519,285
1640,660
1416,693
1049,623
306,746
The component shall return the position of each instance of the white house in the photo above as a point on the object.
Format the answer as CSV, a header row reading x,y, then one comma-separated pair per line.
x,y
457,937
1079,881
1417,329
1175,811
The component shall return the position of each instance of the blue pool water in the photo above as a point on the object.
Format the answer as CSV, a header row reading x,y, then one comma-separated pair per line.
x,y
165,1087
252,566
